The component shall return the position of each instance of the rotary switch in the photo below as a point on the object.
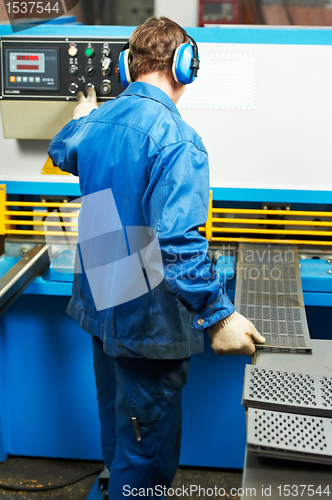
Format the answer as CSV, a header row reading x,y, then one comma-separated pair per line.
x,y
106,65
90,70
106,87
73,88
105,51
73,69
89,86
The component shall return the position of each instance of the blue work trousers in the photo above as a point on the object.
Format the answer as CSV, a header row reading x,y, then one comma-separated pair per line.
x,y
140,413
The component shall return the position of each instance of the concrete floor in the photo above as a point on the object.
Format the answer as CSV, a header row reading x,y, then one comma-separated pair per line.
x,y
20,472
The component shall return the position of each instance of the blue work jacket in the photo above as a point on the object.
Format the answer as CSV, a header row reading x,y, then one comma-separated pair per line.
x,y
156,166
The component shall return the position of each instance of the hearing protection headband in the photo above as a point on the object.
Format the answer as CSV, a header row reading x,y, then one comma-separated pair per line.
x,y
185,62
195,60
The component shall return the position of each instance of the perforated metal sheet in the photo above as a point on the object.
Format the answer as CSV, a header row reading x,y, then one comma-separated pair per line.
x,y
269,293
291,436
308,393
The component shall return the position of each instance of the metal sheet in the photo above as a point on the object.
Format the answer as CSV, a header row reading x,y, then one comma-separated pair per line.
x,y
290,436
19,277
299,392
269,293
271,476
274,479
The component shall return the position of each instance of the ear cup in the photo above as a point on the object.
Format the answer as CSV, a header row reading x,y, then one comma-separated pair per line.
x,y
182,64
123,68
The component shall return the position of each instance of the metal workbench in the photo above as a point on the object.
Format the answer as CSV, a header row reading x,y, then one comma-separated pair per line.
x,y
281,478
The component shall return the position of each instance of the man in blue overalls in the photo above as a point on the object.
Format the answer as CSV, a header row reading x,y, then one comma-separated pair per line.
x,y
141,166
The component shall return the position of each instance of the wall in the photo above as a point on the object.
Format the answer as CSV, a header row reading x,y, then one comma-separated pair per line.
x,y
3,13
184,12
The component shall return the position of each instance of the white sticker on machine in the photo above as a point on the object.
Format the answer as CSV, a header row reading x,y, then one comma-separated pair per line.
x,y
225,81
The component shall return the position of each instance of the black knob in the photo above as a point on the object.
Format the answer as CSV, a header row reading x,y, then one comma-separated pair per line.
x,y
73,88
90,70
73,70
106,87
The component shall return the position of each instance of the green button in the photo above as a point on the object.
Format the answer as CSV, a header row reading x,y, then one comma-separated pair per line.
x,y
89,52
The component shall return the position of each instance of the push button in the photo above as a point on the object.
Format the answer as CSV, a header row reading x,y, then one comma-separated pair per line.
x,y
73,50
89,52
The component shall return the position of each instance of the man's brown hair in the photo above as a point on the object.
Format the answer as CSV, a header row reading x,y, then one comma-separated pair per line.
x,y
152,46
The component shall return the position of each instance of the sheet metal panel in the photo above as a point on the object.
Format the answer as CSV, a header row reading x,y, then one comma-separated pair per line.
x,y
269,293
290,436
299,392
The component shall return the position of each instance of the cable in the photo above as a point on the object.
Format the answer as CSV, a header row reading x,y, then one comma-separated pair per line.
x,y
44,488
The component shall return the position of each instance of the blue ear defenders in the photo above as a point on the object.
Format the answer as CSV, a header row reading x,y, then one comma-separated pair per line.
x,y
123,70
184,68
186,62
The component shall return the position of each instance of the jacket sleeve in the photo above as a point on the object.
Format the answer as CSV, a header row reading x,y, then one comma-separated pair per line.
x,y
178,205
58,152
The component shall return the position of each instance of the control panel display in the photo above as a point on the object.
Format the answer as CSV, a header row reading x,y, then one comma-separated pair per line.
x,y
59,68
26,62
32,70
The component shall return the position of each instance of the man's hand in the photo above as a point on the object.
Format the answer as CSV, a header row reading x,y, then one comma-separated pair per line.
x,y
234,335
85,104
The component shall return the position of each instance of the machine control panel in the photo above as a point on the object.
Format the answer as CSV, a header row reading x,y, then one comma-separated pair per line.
x,y
53,69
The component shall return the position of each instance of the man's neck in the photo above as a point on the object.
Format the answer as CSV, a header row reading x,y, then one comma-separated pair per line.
x,y
165,82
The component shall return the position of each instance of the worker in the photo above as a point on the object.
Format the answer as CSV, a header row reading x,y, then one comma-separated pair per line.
x,y
141,166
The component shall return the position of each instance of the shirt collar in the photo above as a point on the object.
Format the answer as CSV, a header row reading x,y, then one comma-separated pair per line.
x,y
143,89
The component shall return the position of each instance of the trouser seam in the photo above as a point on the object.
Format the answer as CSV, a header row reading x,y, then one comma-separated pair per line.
x,y
158,441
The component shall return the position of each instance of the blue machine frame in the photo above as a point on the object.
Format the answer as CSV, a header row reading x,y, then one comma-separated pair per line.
x,y
47,395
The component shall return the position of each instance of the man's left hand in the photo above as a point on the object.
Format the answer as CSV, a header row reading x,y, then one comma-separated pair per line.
x,y
234,335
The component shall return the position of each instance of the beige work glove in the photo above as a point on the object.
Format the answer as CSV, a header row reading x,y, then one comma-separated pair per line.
x,y
85,104
234,335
